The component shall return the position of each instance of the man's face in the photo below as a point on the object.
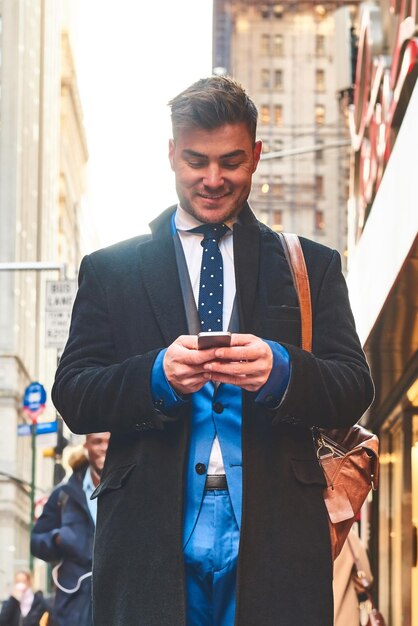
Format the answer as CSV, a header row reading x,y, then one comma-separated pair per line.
x,y
213,170
96,447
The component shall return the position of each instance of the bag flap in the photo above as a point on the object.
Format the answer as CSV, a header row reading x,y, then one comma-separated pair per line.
x,y
338,504
348,439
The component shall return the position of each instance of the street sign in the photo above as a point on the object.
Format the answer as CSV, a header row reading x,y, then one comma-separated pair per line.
x,y
34,399
59,299
24,429
42,428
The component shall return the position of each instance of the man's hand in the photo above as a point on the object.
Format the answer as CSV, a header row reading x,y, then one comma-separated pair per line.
x,y
246,364
184,364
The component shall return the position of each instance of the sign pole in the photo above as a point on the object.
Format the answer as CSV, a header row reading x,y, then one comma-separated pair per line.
x,y
33,403
32,487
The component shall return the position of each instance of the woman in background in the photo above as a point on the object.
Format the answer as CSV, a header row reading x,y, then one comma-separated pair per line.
x,y
24,607
346,600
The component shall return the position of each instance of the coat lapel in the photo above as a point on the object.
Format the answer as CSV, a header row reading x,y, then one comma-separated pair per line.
x,y
160,278
246,260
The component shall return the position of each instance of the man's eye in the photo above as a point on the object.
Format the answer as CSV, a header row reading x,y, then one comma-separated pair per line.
x,y
231,165
196,164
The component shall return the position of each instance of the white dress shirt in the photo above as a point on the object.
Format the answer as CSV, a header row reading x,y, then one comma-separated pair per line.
x,y
88,488
193,254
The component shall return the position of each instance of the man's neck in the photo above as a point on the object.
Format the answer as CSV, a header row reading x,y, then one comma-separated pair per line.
x,y
94,476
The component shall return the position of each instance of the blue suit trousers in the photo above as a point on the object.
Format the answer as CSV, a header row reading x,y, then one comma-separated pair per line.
x,y
210,557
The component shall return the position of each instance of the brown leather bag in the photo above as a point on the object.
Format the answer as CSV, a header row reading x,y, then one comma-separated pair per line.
x,y
349,457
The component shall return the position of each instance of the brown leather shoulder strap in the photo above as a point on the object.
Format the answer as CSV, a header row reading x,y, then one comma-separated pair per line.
x,y
296,260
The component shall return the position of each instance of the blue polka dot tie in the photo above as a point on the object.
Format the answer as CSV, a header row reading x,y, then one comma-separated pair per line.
x,y
211,277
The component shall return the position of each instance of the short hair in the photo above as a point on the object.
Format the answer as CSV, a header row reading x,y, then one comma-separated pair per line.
x,y
212,102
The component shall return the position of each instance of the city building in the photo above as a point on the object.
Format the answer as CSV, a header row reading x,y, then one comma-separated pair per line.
x,y
43,154
284,54
383,284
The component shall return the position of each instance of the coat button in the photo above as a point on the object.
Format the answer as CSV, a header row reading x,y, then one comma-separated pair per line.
x,y
218,407
200,468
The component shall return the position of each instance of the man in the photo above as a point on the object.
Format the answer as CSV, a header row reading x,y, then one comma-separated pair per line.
x,y
64,534
210,506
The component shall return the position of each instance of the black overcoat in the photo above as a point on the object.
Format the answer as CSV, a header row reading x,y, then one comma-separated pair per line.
x,y
129,306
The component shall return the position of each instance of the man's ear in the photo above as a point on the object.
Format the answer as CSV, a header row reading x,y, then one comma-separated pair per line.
x,y
171,148
257,153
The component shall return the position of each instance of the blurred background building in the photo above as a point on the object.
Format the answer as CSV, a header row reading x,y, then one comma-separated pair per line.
x,y
43,154
285,53
383,283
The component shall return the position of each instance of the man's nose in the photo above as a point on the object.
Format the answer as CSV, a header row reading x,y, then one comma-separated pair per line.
x,y
213,176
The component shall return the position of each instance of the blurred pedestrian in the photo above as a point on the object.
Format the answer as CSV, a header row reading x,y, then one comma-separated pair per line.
x,y
211,505
24,607
347,590
64,534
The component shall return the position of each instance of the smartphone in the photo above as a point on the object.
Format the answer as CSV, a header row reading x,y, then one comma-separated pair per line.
x,y
213,340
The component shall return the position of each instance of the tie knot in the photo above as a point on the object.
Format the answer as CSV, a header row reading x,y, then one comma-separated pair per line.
x,y
211,231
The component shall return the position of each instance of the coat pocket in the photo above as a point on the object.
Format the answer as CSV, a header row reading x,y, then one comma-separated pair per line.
x,y
283,312
115,479
308,472
282,324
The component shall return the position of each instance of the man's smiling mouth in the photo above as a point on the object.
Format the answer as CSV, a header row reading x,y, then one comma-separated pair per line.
x,y
214,196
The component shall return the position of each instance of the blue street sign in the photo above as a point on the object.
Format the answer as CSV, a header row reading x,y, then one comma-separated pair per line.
x,y
24,429
34,397
42,428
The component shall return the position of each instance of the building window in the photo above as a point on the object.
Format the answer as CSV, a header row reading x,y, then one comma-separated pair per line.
x,y
268,10
278,47
265,79
319,186
278,115
277,220
320,80
278,79
319,220
319,114
265,114
265,45
319,153
320,45
278,11
265,11
277,187
278,145
266,146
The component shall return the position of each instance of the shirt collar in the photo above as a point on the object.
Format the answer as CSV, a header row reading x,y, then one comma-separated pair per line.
x,y
184,221
88,485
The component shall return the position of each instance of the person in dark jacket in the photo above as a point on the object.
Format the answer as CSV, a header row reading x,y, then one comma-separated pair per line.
x,y
64,535
211,507
24,607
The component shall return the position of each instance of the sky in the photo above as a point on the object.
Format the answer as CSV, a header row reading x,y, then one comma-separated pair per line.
x,y
132,57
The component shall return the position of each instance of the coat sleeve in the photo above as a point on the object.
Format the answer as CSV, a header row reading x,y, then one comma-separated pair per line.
x,y
48,525
9,611
93,390
331,386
